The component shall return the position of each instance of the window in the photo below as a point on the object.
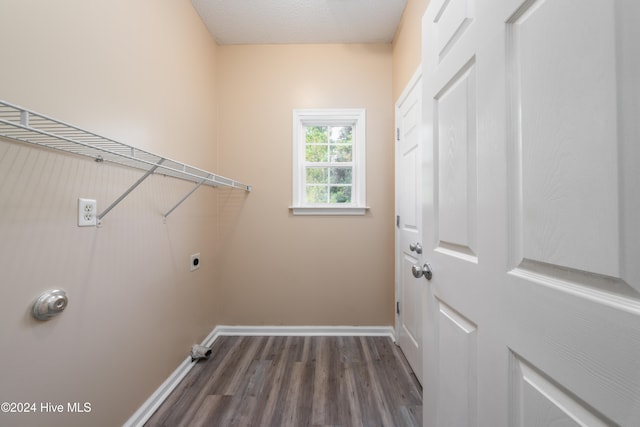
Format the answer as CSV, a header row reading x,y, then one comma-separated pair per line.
x,y
329,162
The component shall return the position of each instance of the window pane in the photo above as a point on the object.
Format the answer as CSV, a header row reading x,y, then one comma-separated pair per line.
x,y
317,194
329,161
341,135
316,153
341,194
315,133
340,153
341,175
317,175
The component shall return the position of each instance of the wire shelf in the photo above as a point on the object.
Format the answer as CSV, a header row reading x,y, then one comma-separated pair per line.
x,y
24,125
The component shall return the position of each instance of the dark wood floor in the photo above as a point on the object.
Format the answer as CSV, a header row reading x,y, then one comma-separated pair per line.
x,y
296,381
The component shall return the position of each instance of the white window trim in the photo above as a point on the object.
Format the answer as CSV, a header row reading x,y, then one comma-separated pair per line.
x,y
351,116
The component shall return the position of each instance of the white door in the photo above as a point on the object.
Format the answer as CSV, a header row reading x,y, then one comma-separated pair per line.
x,y
532,213
409,290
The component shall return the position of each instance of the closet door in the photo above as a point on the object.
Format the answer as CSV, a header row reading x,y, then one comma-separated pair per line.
x,y
410,289
530,215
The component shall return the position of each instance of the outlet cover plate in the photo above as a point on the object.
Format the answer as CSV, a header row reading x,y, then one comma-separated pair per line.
x,y
87,213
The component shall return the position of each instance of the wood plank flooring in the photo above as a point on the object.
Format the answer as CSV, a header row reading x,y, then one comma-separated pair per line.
x,y
296,381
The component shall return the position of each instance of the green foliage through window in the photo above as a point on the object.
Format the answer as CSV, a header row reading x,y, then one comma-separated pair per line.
x,y
329,168
316,134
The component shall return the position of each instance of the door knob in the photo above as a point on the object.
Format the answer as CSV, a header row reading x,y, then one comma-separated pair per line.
x,y
425,271
416,247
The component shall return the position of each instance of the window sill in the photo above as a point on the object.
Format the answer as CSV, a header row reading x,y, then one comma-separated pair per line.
x,y
328,210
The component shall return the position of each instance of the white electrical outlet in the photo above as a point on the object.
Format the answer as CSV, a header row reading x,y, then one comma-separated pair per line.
x,y
195,262
87,213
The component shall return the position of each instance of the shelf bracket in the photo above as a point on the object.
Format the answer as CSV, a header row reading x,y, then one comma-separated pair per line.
x,y
129,190
187,196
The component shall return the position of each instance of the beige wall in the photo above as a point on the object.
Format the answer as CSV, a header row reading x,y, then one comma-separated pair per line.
x,y
407,45
138,71
279,269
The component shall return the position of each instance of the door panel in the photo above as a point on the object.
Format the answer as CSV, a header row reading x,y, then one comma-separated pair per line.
x,y
410,311
451,20
457,370
409,227
530,213
539,401
454,116
566,164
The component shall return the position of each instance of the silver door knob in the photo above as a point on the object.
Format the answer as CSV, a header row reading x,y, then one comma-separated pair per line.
x,y
425,271
416,247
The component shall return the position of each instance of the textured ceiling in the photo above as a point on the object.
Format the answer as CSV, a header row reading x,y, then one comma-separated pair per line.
x,y
300,21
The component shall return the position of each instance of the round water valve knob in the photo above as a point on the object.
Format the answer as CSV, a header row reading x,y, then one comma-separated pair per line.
x,y
49,304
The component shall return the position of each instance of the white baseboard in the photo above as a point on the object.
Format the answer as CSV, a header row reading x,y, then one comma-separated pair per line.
x,y
332,331
147,409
